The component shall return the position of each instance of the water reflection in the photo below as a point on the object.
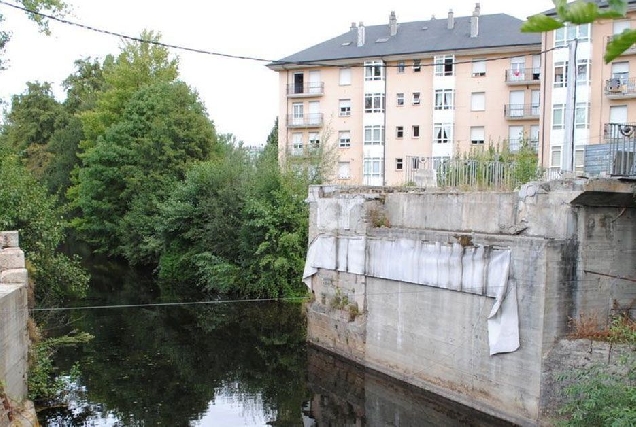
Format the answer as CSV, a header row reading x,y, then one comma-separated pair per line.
x,y
229,364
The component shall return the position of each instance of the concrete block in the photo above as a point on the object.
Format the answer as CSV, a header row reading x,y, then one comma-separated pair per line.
x,y
11,258
16,276
9,239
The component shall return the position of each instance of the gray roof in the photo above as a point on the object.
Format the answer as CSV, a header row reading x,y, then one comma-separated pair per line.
x,y
601,4
498,30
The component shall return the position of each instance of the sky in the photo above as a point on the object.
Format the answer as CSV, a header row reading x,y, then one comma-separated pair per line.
x,y
241,96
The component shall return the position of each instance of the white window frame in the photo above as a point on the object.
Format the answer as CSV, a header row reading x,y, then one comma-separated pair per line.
x,y
444,65
620,26
344,173
514,143
314,140
297,143
399,132
372,167
344,108
417,98
439,129
444,99
374,103
374,135
400,99
400,67
345,76
562,68
583,71
344,139
582,115
477,135
415,131
563,35
399,163
479,67
558,116
417,65
373,70
478,101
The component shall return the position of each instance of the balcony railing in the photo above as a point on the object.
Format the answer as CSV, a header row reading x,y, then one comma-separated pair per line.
x,y
620,87
296,90
621,140
521,111
629,51
523,76
312,120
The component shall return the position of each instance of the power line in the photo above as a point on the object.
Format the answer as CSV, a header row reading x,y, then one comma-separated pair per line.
x,y
243,57
127,37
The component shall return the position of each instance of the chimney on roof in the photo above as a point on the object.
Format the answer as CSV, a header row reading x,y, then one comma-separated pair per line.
x,y
353,26
474,22
451,20
393,23
361,34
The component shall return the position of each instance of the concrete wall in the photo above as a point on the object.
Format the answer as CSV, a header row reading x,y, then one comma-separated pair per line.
x,y
14,339
438,338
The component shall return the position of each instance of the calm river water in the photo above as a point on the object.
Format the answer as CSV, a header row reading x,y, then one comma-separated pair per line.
x,y
224,364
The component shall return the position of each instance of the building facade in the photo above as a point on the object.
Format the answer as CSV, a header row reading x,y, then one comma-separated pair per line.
x,y
388,97
592,102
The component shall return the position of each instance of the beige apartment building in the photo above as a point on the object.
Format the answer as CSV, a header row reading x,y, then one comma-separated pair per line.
x,y
600,106
392,96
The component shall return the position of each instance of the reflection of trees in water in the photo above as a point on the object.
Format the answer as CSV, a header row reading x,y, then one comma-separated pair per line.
x,y
163,365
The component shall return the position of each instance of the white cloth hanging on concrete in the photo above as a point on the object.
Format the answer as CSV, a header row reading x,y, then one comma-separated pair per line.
x,y
480,270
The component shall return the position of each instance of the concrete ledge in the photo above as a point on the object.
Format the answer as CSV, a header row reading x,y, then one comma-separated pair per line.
x,y
16,276
11,258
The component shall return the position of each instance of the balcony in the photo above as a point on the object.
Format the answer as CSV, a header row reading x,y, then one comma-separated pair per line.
x,y
523,76
306,90
630,50
521,112
620,88
620,140
304,121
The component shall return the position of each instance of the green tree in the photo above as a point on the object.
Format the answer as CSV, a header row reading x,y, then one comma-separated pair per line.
x,y
585,12
135,164
138,65
32,120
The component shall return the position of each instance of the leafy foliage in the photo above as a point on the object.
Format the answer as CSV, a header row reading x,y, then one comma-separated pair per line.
x,y
585,12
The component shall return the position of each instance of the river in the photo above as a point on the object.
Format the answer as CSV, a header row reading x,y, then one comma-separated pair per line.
x,y
221,364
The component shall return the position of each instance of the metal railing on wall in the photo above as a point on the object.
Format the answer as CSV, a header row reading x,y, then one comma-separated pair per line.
x,y
621,141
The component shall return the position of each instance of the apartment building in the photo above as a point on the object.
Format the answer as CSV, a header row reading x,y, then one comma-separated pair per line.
x,y
592,102
391,96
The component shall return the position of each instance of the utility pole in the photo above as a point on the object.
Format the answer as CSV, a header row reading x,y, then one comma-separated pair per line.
x,y
567,150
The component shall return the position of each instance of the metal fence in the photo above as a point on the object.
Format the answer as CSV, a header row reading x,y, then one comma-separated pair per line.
x,y
621,141
446,172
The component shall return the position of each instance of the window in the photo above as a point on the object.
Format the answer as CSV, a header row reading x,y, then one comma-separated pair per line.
x,y
297,144
479,67
314,140
373,135
517,68
534,136
579,159
344,139
620,26
298,115
372,167
581,115
400,99
344,109
444,99
417,65
618,114
345,76
344,170
444,65
555,157
374,103
515,136
620,71
416,98
399,132
560,73
477,135
583,71
400,67
478,101
558,116
416,131
374,70
442,133
570,32
415,163
399,164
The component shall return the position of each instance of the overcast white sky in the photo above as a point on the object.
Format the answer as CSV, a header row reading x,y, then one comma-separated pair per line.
x,y
240,95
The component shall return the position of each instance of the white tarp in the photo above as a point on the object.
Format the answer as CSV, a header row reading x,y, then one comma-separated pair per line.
x,y
474,269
